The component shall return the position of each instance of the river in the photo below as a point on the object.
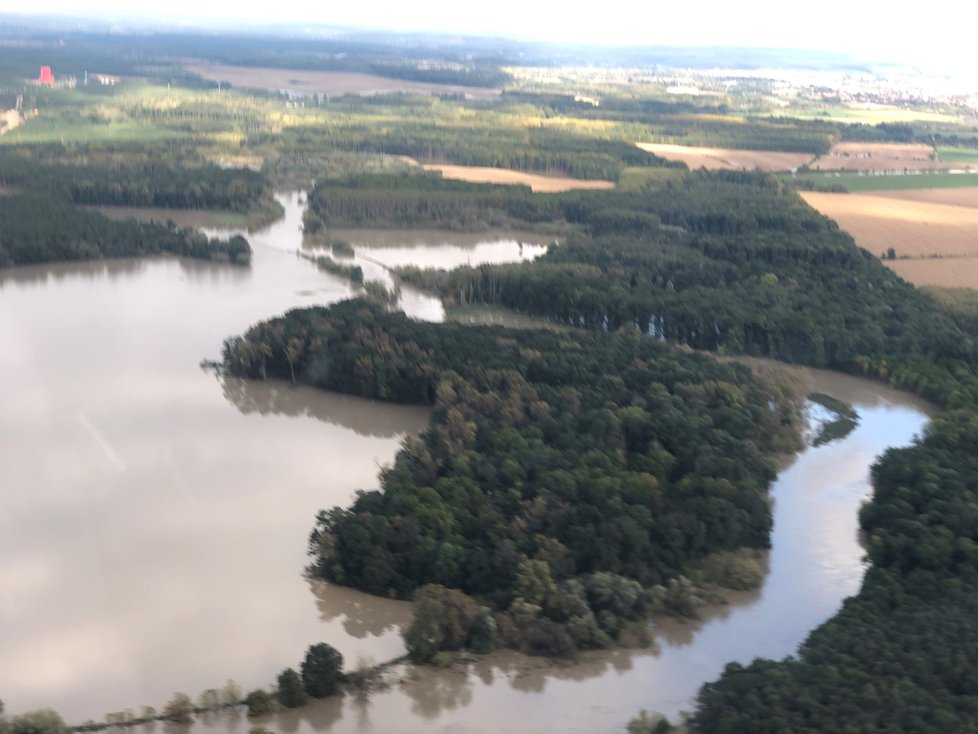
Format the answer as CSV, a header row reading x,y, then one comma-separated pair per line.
x,y
155,515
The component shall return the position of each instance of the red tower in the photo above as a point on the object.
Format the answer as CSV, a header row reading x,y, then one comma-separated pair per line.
x,y
46,76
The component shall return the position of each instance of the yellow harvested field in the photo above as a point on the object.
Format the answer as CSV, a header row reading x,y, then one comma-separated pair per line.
x,y
912,228
936,243
538,183
948,272
9,119
326,82
953,197
881,157
728,158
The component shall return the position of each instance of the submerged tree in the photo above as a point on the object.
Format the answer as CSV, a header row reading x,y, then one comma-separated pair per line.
x,y
322,670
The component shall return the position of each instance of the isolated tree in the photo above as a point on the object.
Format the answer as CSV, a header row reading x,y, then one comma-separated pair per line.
x,y
291,694
232,693
179,709
322,670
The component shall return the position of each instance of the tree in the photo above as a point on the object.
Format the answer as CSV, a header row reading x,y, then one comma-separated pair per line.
x,y
443,620
535,584
179,709
322,670
293,350
291,693
232,694
259,703
239,251
43,721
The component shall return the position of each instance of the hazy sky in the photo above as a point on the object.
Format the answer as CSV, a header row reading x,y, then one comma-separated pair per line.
x,y
863,28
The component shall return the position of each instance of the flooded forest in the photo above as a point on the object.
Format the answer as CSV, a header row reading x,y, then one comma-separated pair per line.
x,y
392,390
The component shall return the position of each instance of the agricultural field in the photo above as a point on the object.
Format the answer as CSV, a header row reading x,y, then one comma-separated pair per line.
x,y
956,272
963,197
879,157
959,155
934,234
332,83
538,183
728,158
867,114
914,181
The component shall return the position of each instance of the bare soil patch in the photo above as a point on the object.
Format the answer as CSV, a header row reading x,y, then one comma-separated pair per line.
x,y
882,157
327,82
728,158
537,182
911,228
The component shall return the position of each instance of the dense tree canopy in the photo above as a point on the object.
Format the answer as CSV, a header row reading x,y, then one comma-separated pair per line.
x,y
584,453
38,228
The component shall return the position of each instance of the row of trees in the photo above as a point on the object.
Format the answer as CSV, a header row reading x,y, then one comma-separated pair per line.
x,y
319,676
140,183
546,150
39,228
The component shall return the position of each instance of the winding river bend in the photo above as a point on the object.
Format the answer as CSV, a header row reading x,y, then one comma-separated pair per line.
x,y
154,516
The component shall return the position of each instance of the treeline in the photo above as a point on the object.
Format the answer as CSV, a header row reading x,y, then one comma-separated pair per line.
x,y
561,462
145,183
739,265
884,132
39,229
692,123
537,149
391,200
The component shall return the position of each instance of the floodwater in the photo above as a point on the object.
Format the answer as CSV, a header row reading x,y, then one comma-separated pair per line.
x,y
439,249
154,521
154,524
815,562
377,251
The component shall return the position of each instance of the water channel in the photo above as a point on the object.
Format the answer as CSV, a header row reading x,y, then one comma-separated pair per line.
x,y
152,538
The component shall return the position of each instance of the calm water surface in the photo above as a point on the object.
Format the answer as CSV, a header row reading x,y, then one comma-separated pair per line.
x,y
155,516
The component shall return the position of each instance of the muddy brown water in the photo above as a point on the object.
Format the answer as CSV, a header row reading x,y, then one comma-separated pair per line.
x,y
154,521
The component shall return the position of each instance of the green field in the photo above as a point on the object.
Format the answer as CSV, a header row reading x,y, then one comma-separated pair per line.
x,y
866,116
856,183
958,155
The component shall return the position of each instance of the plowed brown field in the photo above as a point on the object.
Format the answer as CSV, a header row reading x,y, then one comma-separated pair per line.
x,y
881,157
912,228
936,243
954,272
967,197
538,183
